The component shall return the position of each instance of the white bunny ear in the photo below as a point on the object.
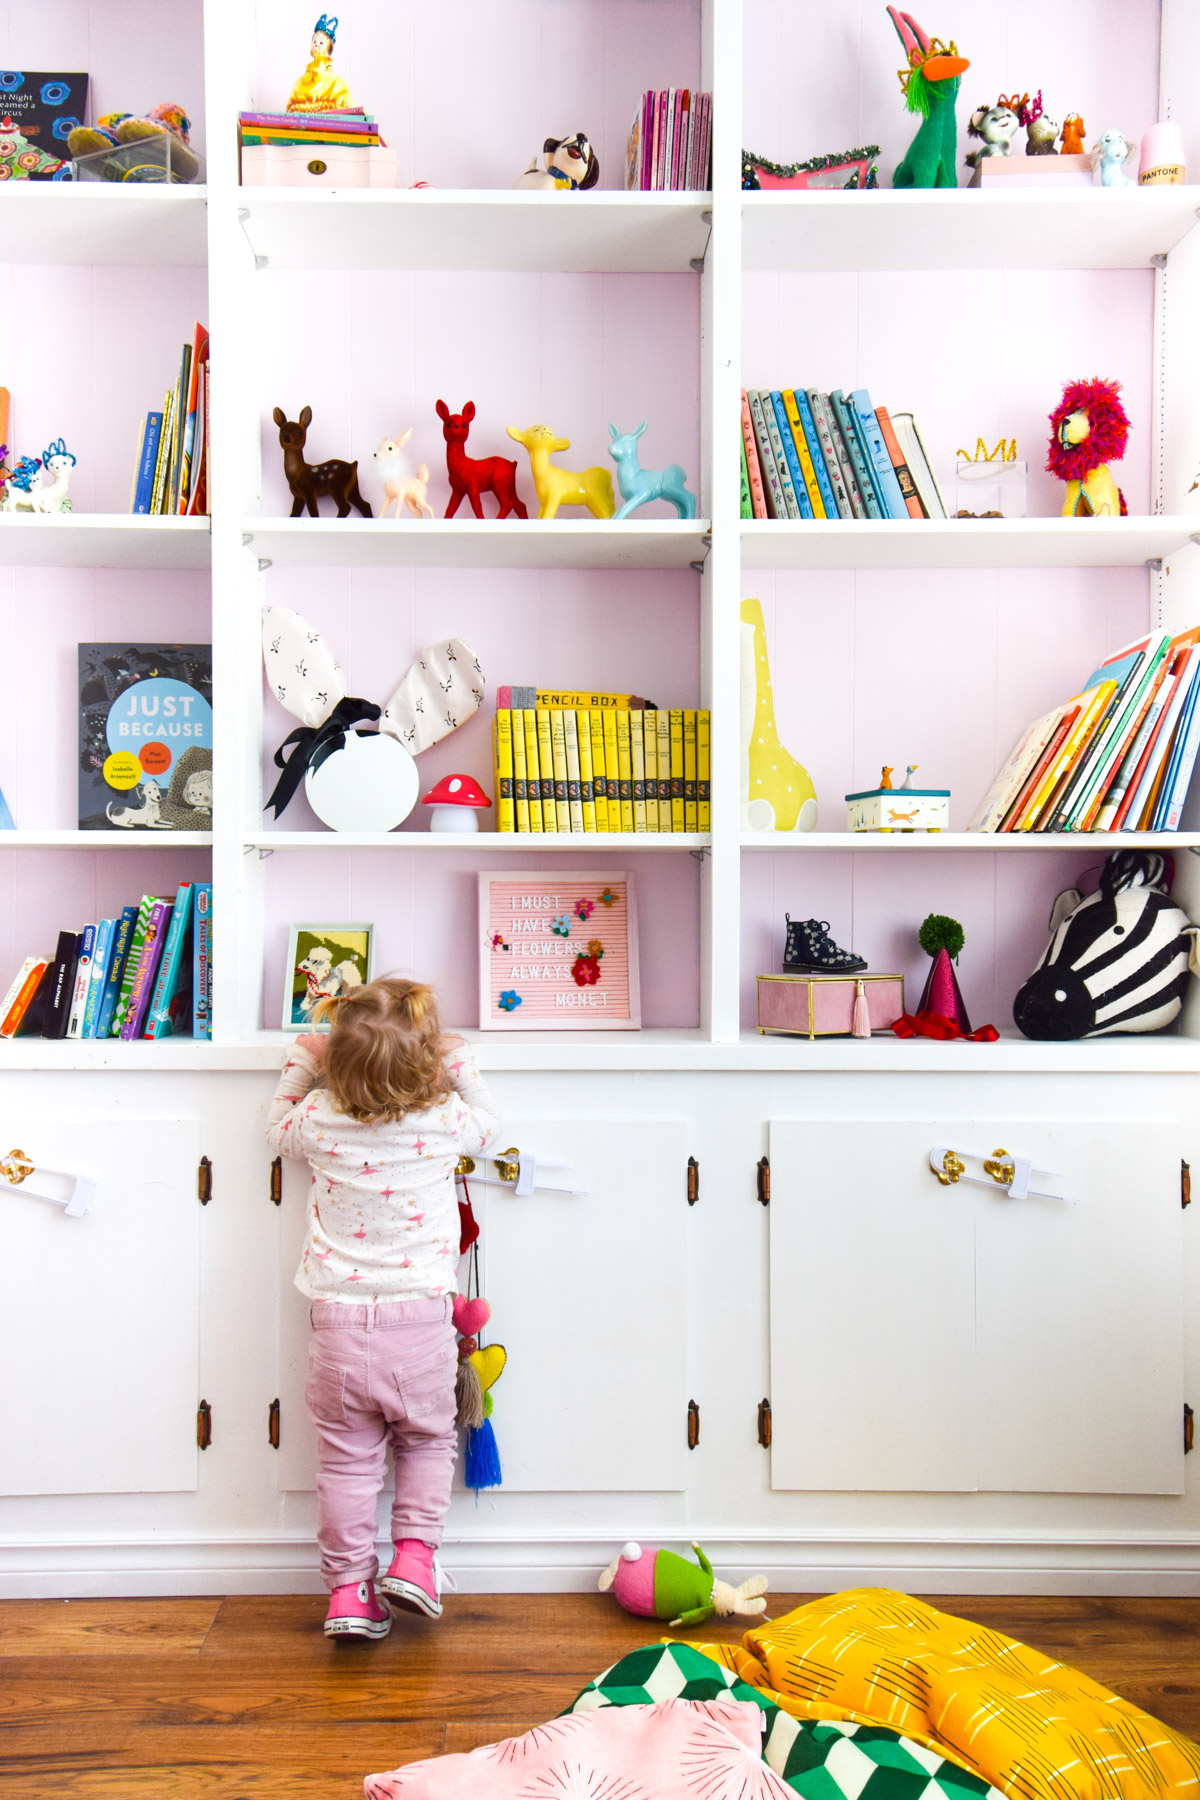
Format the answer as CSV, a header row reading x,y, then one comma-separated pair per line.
x,y
304,674
442,690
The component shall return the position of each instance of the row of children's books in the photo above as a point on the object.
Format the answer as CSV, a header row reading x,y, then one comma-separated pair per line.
x,y
1117,756
147,974
171,474
808,455
599,762
670,141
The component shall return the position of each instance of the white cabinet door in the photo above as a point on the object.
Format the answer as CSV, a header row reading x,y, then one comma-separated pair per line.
x,y
589,1298
99,1315
936,1338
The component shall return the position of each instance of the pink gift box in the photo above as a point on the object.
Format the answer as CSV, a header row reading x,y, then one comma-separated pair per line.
x,y
815,1006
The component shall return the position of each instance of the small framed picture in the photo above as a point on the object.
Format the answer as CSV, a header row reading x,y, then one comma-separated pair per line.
x,y
323,961
558,952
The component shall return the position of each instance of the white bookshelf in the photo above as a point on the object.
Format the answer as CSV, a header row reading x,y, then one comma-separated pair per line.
x,y
105,224
102,541
469,543
964,543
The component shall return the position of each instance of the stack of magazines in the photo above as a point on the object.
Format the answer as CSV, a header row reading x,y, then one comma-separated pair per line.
x,y
670,142
807,455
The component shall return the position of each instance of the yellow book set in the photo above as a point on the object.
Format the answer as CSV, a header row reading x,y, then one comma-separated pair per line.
x,y
600,763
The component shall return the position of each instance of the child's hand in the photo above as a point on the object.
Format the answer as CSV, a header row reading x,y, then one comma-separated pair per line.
x,y
314,1044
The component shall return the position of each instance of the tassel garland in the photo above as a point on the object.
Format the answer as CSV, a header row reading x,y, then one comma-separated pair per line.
x,y
860,1019
483,1458
468,1396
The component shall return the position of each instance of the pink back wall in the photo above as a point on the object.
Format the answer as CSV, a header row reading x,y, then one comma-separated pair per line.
x,y
822,76
466,94
137,52
373,353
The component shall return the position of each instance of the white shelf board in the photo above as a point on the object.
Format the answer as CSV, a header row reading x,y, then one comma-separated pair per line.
x,y
530,843
964,543
1003,842
136,224
102,541
1064,228
133,839
431,228
471,543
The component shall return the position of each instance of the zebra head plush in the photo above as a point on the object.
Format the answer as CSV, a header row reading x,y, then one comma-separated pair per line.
x,y
1117,961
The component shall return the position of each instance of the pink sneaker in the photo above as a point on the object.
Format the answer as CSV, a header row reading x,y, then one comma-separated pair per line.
x,y
355,1611
415,1579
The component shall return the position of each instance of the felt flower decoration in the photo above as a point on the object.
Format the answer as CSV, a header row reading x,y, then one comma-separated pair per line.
x,y
561,926
509,1000
585,909
498,942
595,948
586,970
608,898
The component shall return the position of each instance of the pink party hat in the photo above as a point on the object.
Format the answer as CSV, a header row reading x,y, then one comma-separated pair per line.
x,y
942,995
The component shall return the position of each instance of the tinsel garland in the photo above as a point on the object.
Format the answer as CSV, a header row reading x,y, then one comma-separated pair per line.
x,y
814,166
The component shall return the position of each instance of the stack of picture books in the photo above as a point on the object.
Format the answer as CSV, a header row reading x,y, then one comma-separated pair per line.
x,y
350,125
171,473
807,455
1117,756
147,974
578,762
670,141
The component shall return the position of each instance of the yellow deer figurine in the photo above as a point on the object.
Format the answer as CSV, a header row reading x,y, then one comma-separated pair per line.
x,y
559,487
777,791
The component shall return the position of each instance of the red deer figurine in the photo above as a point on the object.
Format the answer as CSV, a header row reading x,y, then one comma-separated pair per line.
x,y
473,476
308,481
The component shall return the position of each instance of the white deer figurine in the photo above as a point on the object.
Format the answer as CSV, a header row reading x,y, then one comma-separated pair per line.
x,y
413,490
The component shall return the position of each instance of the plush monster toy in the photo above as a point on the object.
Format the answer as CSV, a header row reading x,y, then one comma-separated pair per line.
x,y
930,85
657,1584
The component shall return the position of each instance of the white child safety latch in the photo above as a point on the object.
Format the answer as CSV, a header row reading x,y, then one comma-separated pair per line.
x,y
73,1192
520,1170
1011,1174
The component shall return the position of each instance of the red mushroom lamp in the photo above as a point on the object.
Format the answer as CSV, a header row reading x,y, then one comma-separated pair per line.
x,y
455,801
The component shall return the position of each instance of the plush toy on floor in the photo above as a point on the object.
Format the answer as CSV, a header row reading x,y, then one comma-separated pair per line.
x,y
657,1584
157,161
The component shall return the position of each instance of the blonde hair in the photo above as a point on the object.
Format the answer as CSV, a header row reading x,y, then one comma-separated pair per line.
x,y
384,1055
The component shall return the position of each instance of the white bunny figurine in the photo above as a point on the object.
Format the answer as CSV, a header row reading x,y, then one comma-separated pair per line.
x,y
358,780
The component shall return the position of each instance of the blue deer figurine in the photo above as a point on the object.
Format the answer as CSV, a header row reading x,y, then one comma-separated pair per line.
x,y
639,486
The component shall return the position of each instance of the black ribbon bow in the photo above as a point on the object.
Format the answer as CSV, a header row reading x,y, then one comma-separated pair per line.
x,y
309,739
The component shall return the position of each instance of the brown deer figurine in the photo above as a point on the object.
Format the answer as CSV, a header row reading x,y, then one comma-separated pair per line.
x,y
472,475
308,481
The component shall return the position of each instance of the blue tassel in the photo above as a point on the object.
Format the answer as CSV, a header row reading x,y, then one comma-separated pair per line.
x,y
483,1458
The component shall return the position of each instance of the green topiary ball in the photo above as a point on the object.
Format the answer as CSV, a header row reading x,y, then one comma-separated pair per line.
x,y
940,933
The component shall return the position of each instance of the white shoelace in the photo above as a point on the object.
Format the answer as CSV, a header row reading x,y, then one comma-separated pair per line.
x,y
442,1578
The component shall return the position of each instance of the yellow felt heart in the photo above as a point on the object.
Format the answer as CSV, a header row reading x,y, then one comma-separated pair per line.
x,y
488,1364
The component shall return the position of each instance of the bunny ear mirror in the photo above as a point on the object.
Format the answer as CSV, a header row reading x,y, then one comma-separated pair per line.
x,y
354,779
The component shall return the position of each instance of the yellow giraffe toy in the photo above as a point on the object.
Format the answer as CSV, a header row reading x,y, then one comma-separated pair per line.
x,y
592,488
777,791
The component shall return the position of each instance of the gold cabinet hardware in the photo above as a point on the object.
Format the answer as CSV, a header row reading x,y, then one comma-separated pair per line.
x,y
952,1167
277,1181
693,1424
465,1165
507,1164
15,1167
762,1176
204,1180
273,1424
764,1423
203,1425
1003,1173
693,1181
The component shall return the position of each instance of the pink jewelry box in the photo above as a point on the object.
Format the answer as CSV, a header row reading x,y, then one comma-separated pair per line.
x,y
814,1006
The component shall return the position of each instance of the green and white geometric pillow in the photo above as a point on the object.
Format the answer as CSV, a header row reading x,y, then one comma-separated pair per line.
x,y
819,1759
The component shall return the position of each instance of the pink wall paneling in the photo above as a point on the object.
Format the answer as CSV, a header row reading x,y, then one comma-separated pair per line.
x,y
424,906
466,93
105,351
822,76
1001,901
632,632
44,615
943,668
373,353
971,355
137,52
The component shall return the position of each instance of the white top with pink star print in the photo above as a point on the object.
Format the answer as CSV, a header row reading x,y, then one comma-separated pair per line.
x,y
382,1210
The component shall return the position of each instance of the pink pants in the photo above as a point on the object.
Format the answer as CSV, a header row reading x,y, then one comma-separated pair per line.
x,y
374,1373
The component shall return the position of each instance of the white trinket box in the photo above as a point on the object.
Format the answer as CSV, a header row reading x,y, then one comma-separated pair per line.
x,y
319,166
899,809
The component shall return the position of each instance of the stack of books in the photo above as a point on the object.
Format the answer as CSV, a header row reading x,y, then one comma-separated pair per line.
x,y
350,126
147,974
599,762
807,455
670,142
1117,756
171,473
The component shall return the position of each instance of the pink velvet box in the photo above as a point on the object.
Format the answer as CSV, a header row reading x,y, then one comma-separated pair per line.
x,y
815,1006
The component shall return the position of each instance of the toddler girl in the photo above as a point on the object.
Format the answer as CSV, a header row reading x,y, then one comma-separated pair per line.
x,y
381,1109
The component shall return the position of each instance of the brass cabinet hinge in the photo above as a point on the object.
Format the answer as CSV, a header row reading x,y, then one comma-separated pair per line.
x,y
273,1424
764,1423
762,1177
203,1425
277,1181
1189,1429
693,1181
204,1181
693,1424
1185,1183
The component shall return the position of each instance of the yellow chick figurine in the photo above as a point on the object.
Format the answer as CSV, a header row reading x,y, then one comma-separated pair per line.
x,y
319,89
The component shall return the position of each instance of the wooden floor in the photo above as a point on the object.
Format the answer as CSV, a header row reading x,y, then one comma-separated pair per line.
x,y
221,1699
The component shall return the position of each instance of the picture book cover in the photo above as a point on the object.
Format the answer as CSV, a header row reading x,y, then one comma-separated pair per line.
x,y
145,737
43,109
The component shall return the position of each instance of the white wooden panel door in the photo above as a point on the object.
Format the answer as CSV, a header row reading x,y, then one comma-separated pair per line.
x,y
872,1311
939,1338
589,1298
99,1315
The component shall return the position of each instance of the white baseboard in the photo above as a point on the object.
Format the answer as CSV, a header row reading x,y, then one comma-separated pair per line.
x,y
111,1567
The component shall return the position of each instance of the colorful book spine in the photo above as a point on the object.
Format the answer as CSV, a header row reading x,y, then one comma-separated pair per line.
x,y
558,762
525,723
662,723
159,1022
650,758
157,504
703,771
843,413
83,981
599,773
147,463
101,957
624,770
908,487
637,766
60,980
546,766
772,487
823,411
122,938
883,470
745,505
1183,761
31,974
612,771
133,958
587,776
808,445
202,960
574,773
520,761
795,503
142,990
804,479
677,806
758,498
1148,779
690,814
510,800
